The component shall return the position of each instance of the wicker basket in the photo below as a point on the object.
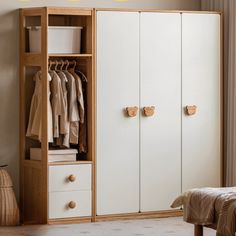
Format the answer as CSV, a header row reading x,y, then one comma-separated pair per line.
x,y
9,212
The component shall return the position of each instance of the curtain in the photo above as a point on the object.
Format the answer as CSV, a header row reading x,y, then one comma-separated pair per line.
x,y
228,8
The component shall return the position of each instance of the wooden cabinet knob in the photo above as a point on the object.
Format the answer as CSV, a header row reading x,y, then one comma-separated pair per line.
x,y
191,110
131,111
72,178
149,111
72,204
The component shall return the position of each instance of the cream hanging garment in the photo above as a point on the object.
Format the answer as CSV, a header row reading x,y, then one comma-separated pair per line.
x,y
34,128
82,113
72,108
64,118
58,103
80,97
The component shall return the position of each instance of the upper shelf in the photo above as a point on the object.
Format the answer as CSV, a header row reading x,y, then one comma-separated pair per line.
x,y
69,11
56,11
35,59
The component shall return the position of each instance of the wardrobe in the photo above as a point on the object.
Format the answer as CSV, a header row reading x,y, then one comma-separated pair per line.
x,y
154,109
159,111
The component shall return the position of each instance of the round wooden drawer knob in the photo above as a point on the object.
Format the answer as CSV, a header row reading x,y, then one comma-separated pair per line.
x,y
72,205
72,178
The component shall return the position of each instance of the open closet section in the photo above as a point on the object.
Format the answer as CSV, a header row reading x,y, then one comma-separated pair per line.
x,y
56,114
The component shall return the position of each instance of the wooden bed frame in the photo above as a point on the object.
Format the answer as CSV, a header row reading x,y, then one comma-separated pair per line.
x,y
198,229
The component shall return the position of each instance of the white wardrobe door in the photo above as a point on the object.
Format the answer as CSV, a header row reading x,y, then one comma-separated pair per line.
x,y
117,134
201,87
160,87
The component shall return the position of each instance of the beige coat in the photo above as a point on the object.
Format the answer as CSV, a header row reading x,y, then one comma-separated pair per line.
x,y
57,102
80,97
34,129
72,108
64,118
82,122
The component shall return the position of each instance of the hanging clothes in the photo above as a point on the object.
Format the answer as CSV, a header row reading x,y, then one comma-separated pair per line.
x,y
57,101
72,108
83,147
80,89
63,140
67,121
79,93
34,129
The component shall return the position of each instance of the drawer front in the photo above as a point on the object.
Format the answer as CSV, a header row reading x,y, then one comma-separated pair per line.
x,y
69,204
70,178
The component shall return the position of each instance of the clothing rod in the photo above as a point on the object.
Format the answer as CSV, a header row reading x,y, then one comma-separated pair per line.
x,y
60,63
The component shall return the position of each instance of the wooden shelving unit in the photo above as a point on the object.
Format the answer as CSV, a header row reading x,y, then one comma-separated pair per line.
x,y
34,175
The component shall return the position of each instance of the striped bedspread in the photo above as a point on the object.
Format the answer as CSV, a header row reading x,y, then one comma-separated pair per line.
x,y
210,206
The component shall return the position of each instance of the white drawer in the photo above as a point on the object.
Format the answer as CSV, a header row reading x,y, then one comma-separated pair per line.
x,y
61,177
59,204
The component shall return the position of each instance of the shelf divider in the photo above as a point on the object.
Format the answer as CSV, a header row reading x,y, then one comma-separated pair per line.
x,y
69,55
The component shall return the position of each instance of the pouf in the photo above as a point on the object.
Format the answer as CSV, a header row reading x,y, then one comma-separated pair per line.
x,y
9,211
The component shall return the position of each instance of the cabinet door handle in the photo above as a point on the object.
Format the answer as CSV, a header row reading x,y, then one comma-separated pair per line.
x,y
191,110
131,111
149,111
72,178
72,204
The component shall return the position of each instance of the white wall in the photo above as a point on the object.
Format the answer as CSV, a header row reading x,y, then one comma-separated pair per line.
x,y
9,85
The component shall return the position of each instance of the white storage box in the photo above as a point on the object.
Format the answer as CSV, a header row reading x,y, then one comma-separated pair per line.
x,y
61,39
54,155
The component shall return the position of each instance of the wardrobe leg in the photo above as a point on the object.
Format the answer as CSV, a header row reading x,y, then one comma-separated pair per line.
x,y
198,230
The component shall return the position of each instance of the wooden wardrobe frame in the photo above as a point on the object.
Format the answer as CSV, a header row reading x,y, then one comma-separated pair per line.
x,y
34,174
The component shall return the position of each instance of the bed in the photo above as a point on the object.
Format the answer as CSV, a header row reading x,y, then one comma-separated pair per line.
x,y
209,207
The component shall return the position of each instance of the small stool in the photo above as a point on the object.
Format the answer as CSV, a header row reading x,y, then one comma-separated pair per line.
x,y
9,211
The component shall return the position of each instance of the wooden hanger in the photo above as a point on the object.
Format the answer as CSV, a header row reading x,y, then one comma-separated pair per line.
x,y
50,65
67,65
62,64
84,78
57,63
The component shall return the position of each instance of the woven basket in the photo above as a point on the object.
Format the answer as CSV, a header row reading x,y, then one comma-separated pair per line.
x,y
9,212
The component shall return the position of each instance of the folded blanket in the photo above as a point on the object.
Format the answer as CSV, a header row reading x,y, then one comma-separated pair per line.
x,y
208,206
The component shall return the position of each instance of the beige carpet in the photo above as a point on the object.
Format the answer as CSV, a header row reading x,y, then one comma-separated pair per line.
x,y
154,227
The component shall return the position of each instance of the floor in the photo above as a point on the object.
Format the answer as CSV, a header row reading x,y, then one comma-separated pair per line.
x,y
154,227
